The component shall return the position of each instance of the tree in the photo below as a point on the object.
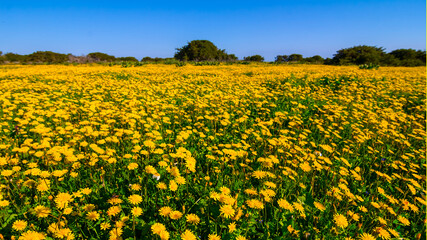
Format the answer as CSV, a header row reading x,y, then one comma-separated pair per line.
x,y
100,57
281,58
359,55
295,58
409,57
127,59
13,57
202,50
315,59
254,58
47,57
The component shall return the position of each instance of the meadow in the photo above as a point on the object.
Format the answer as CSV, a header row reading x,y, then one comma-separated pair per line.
x,y
233,152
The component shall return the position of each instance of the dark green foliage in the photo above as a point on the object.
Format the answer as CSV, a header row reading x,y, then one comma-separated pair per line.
x,y
315,59
13,57
47,57
254,58
150,59
281,58
202,50
295,58
127,59
100,57
409,57
359,55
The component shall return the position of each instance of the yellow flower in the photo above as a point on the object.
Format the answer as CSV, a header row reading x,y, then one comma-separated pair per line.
x,y
62,200
135,199
366,236
164,235
89,207
156,228
188,235
173,186
105,226
214,237
67,211
253,203
4,203
86,191
403,220
193,218
136,187
165,211
41,211
113,211
383,233
285,205
340,220
132,166
136,211
92,216
232,227
19,225
227,211
32,235
319,206
175,215
241,238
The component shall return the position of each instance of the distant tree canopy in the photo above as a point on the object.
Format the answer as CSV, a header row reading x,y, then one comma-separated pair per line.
x,y
101,57
298,58
127,59
202,50
376,55
46,57
315,59
359,55
13,57
409,57
254,58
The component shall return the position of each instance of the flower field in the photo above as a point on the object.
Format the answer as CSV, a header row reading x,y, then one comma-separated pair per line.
x,y
212,152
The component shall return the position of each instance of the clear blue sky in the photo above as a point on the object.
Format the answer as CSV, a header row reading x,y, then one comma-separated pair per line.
x,y
157,28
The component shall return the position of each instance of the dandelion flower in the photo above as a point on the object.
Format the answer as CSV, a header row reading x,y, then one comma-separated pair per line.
x,y
319,206
41,211
285,205
113,211
214,237
135,199
383,234
366,236
340,220
92,216
136,211
157,228
175,215
164,235
105,225
32,235
62,200
403,220
19,225
227,211
188,235
193,218
232,227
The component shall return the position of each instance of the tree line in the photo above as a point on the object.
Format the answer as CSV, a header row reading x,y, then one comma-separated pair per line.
x,y
205,51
